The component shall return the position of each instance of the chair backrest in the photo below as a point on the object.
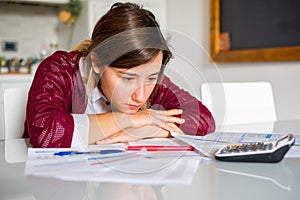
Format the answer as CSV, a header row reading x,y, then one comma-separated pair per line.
x,y
15,100
239,102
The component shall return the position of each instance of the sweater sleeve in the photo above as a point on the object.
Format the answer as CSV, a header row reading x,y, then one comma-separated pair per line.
x,y
49,122
198,119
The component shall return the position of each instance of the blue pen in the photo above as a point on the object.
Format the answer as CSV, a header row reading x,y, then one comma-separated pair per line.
x,y
70,153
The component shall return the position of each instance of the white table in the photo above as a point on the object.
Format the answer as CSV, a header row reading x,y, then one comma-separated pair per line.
x,y
213,181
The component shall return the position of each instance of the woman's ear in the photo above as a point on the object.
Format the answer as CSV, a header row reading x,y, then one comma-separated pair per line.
x,y
94,61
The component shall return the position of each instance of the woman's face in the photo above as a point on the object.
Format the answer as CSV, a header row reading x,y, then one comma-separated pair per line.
x,y
129,89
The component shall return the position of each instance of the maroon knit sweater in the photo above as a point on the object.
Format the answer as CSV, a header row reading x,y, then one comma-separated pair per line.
x,y
57,91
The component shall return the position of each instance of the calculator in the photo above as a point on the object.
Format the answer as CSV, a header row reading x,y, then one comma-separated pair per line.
x,y
265,152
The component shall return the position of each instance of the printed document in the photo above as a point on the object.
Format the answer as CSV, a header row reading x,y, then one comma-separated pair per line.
x,y
138,167
207,145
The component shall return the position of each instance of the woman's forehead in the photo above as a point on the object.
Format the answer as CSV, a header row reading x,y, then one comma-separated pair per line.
x,y
146,69
150,67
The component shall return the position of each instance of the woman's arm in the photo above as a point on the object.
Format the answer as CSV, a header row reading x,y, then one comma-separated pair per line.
x,y
134,134
198,119
143,124
195,119
49,122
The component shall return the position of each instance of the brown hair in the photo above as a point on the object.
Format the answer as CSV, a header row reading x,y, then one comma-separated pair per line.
x,y
126,36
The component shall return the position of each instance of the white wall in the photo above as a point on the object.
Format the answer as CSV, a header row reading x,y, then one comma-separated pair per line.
x,y
93,10
191,19
32,27
188,22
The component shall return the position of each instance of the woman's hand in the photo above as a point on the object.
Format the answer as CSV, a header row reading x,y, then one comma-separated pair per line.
x,y
125,127
149,117
146,124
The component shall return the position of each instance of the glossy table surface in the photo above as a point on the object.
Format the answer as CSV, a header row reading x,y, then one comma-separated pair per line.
x,y
212,180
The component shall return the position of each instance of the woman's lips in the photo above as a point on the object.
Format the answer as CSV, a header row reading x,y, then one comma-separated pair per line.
x,y
133,107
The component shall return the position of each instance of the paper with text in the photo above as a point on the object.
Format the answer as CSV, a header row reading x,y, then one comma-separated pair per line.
x,y
130,167
207,145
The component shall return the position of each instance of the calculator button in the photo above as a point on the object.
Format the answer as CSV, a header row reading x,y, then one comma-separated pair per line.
x,y
268,146
255,146
249,148
244,147
259,146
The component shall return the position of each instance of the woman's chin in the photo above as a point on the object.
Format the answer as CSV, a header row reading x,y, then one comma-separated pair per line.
x,y
131,111
128,111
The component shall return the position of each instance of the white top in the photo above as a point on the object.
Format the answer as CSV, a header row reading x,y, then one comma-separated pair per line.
x,y
97,104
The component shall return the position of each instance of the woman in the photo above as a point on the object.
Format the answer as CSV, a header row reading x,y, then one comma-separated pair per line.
x,y
111,88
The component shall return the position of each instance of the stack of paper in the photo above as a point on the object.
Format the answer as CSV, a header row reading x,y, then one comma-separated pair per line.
x,y
138,167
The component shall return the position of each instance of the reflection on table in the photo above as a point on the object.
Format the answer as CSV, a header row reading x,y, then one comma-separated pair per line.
x,y
213,179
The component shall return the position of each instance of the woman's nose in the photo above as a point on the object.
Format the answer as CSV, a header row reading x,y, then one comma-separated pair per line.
x,y
139,95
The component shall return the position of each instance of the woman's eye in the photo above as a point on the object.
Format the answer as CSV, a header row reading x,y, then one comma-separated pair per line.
x,y
127,78
153,78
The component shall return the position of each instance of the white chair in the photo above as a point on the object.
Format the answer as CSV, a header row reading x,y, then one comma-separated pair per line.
x,y
15,100
239,102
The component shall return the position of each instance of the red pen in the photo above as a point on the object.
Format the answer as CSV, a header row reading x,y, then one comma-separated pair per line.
x,y
161,148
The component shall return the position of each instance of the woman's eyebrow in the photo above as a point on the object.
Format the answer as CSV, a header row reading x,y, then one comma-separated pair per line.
x,y
128,73
134,74
154,74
